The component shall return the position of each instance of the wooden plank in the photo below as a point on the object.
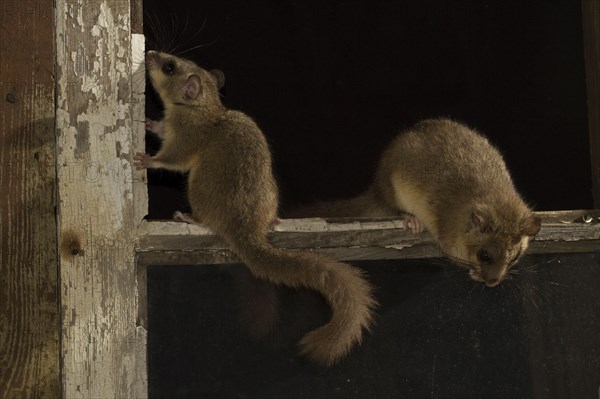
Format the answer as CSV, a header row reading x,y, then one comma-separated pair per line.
x,y
101,344
591,42
137,17
140,180
138,125
357,239
29,362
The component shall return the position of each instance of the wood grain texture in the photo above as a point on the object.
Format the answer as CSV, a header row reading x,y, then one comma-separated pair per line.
x,y
29,363
172,243
137,17
138,115
591,42
102,347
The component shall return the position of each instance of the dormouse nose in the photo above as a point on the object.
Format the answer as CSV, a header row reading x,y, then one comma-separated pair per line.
x,y
492,282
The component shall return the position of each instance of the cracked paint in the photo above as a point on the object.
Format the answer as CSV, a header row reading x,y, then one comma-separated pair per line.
x,y
94,127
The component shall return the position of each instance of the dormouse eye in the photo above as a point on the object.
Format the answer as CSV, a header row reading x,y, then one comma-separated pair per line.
x,y
169,68
484,256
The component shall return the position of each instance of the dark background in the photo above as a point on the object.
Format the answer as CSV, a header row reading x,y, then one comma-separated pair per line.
x,y
331,82
438,334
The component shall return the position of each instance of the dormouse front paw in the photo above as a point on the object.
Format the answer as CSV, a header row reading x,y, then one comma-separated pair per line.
x,y
154,127
142,161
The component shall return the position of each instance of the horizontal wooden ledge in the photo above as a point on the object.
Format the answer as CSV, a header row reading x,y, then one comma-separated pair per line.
x,y
174,243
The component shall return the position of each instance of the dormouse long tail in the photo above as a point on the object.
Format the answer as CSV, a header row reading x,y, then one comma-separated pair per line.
x,y
343,286
366,204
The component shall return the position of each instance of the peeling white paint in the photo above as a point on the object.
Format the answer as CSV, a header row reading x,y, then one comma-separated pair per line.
x,y
398,247
138,88
80,18
95,196
104,17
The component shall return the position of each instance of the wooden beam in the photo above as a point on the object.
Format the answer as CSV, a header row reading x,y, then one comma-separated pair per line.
x,y
103,350
137,17
591,42
29,362
172,243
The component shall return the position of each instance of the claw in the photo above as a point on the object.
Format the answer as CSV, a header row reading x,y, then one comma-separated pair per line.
x,y
412,223
184,217
142,160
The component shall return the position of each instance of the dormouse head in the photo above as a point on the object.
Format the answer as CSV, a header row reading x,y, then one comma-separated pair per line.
x,y
493,242
182,82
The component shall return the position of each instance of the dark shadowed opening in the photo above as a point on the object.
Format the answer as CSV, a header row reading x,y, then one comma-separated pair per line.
x,y
331,82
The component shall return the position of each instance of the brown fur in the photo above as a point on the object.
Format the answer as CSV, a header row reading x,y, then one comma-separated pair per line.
x,y
232,190
366,204
457,184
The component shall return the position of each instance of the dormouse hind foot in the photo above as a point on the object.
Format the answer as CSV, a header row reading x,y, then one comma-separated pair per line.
x,y
274,223
184,217
412,223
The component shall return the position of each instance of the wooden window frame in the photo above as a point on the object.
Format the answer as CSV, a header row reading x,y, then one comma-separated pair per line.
x,y
102,245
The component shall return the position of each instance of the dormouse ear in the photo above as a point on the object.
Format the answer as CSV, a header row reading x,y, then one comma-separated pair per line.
x,y
532,226
219,76
191,89
480,221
